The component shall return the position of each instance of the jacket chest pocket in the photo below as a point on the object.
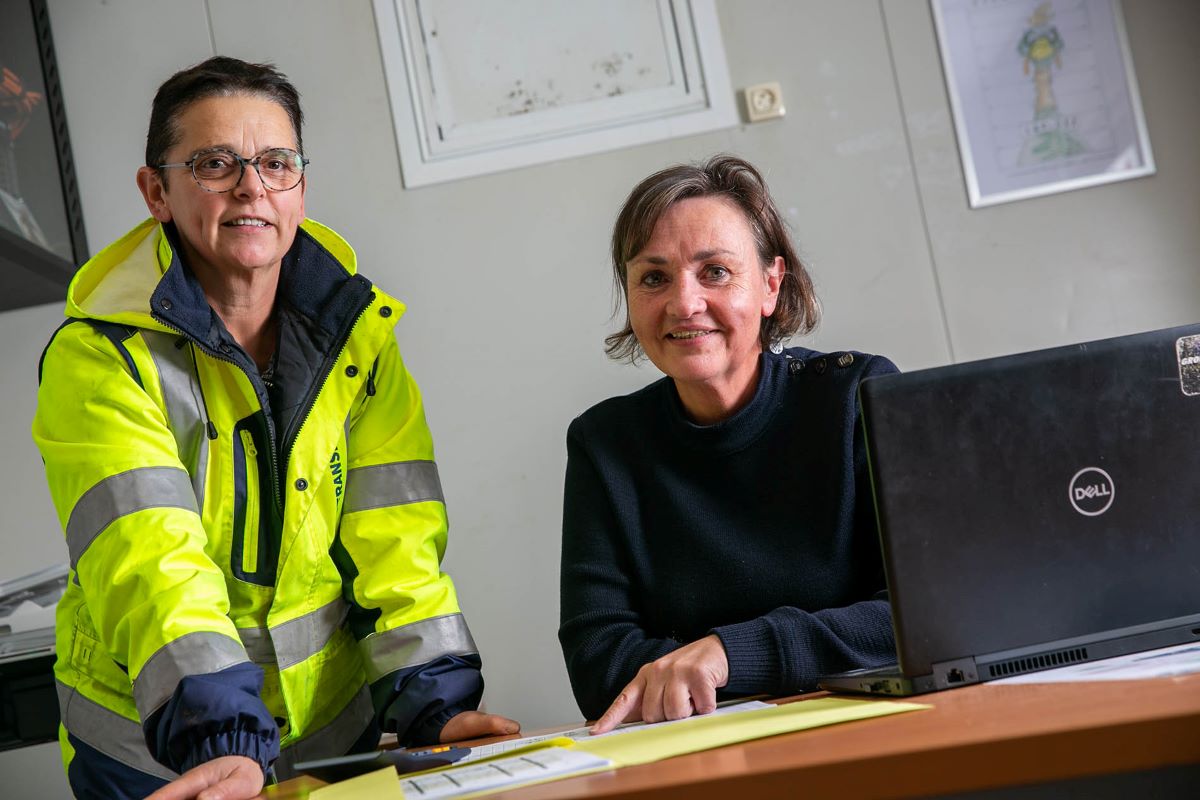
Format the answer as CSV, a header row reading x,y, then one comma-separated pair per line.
x,y
257,523
250,526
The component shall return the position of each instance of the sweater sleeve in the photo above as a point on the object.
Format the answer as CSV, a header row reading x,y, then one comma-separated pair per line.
x,y
601,630
785,650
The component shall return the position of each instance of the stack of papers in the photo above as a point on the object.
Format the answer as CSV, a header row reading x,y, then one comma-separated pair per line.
x,y
538,765
541,759
27,613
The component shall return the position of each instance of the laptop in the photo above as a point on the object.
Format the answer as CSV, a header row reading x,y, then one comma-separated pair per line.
x,y
1036,510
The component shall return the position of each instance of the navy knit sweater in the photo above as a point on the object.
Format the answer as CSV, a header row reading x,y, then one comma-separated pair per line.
x,y
760,529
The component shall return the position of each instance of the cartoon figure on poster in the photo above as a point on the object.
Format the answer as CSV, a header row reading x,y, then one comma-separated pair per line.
x,y
1041,46
16,107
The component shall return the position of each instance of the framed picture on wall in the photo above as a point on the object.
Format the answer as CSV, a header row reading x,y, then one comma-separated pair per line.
x,y
41,222
1043,95
477,86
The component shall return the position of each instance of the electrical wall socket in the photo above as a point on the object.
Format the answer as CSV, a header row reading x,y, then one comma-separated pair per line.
x,y
763,101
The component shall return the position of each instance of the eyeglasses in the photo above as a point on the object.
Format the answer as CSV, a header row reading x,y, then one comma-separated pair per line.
x,y
219,170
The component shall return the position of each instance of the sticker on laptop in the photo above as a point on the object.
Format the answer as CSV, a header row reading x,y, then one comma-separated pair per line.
x,y
1188,350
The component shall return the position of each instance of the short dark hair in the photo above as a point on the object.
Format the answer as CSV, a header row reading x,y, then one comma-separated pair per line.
x,y
727,176
220,76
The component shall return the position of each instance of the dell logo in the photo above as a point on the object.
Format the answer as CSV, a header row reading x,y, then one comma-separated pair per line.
x,y
1091,491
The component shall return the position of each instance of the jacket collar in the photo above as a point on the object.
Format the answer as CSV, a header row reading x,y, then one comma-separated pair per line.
x,y
318,281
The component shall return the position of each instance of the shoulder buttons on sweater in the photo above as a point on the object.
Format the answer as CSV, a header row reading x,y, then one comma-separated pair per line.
x,y
820,364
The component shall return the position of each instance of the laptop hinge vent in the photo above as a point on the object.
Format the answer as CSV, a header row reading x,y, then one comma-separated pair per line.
x,y
1032,663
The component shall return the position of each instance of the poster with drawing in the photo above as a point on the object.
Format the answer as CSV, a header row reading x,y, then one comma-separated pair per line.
x,y
1043,95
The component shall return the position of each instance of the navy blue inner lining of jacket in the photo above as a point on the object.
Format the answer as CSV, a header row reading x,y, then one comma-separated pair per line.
x,y
317,301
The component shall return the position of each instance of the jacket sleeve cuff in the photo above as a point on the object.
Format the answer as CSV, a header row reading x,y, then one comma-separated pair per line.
x,y
260,747
416,703
753,656
429,731
211,715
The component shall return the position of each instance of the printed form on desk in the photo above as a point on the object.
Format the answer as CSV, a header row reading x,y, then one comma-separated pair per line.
x,y
562,757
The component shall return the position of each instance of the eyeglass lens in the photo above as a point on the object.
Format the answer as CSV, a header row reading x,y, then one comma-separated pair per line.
x,y
220,170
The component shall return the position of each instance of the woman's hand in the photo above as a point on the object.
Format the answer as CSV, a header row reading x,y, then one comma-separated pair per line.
x,y
475,725
224,778
675,686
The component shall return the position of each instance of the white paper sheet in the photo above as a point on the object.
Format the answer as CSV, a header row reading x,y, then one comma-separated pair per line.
x,y
552,762
1182,659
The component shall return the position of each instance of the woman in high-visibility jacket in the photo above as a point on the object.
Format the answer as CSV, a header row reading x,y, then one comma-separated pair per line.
x,y
241,465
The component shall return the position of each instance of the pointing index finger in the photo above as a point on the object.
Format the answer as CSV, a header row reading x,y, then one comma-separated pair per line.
x,y
626,701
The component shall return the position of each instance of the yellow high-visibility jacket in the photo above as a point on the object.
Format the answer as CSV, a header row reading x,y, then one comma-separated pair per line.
x,y
224,530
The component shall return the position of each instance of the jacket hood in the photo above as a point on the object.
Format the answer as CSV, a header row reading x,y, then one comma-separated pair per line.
x,y
116,285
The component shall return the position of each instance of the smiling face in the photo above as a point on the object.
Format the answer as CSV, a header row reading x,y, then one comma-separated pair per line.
x,y
248,228
697,293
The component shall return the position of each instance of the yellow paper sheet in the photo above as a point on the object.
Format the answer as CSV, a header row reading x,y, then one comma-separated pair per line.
x,y
704,733
382,784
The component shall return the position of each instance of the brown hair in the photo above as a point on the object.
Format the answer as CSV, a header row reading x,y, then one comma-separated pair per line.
x,y
725,176
218,76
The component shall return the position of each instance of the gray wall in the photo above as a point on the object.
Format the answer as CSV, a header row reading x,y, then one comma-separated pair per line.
x,y
506,277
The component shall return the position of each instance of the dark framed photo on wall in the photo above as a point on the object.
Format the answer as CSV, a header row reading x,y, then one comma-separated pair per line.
x,y
42,237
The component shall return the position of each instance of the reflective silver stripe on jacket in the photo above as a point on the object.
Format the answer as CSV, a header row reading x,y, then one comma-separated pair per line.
x,y
416,643
185,412
333,739
108,732
122,494
291,642
257,642
391,485
191,654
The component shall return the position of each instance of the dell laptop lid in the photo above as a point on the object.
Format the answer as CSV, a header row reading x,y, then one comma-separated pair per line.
x,y
1036,510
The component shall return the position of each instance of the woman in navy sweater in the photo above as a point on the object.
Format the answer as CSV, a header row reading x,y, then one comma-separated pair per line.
x,y
718,530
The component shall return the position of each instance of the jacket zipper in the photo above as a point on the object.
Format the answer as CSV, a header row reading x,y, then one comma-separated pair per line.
x,y
326,370
263,404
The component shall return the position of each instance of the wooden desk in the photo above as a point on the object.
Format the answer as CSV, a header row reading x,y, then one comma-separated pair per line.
x,y
977,737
